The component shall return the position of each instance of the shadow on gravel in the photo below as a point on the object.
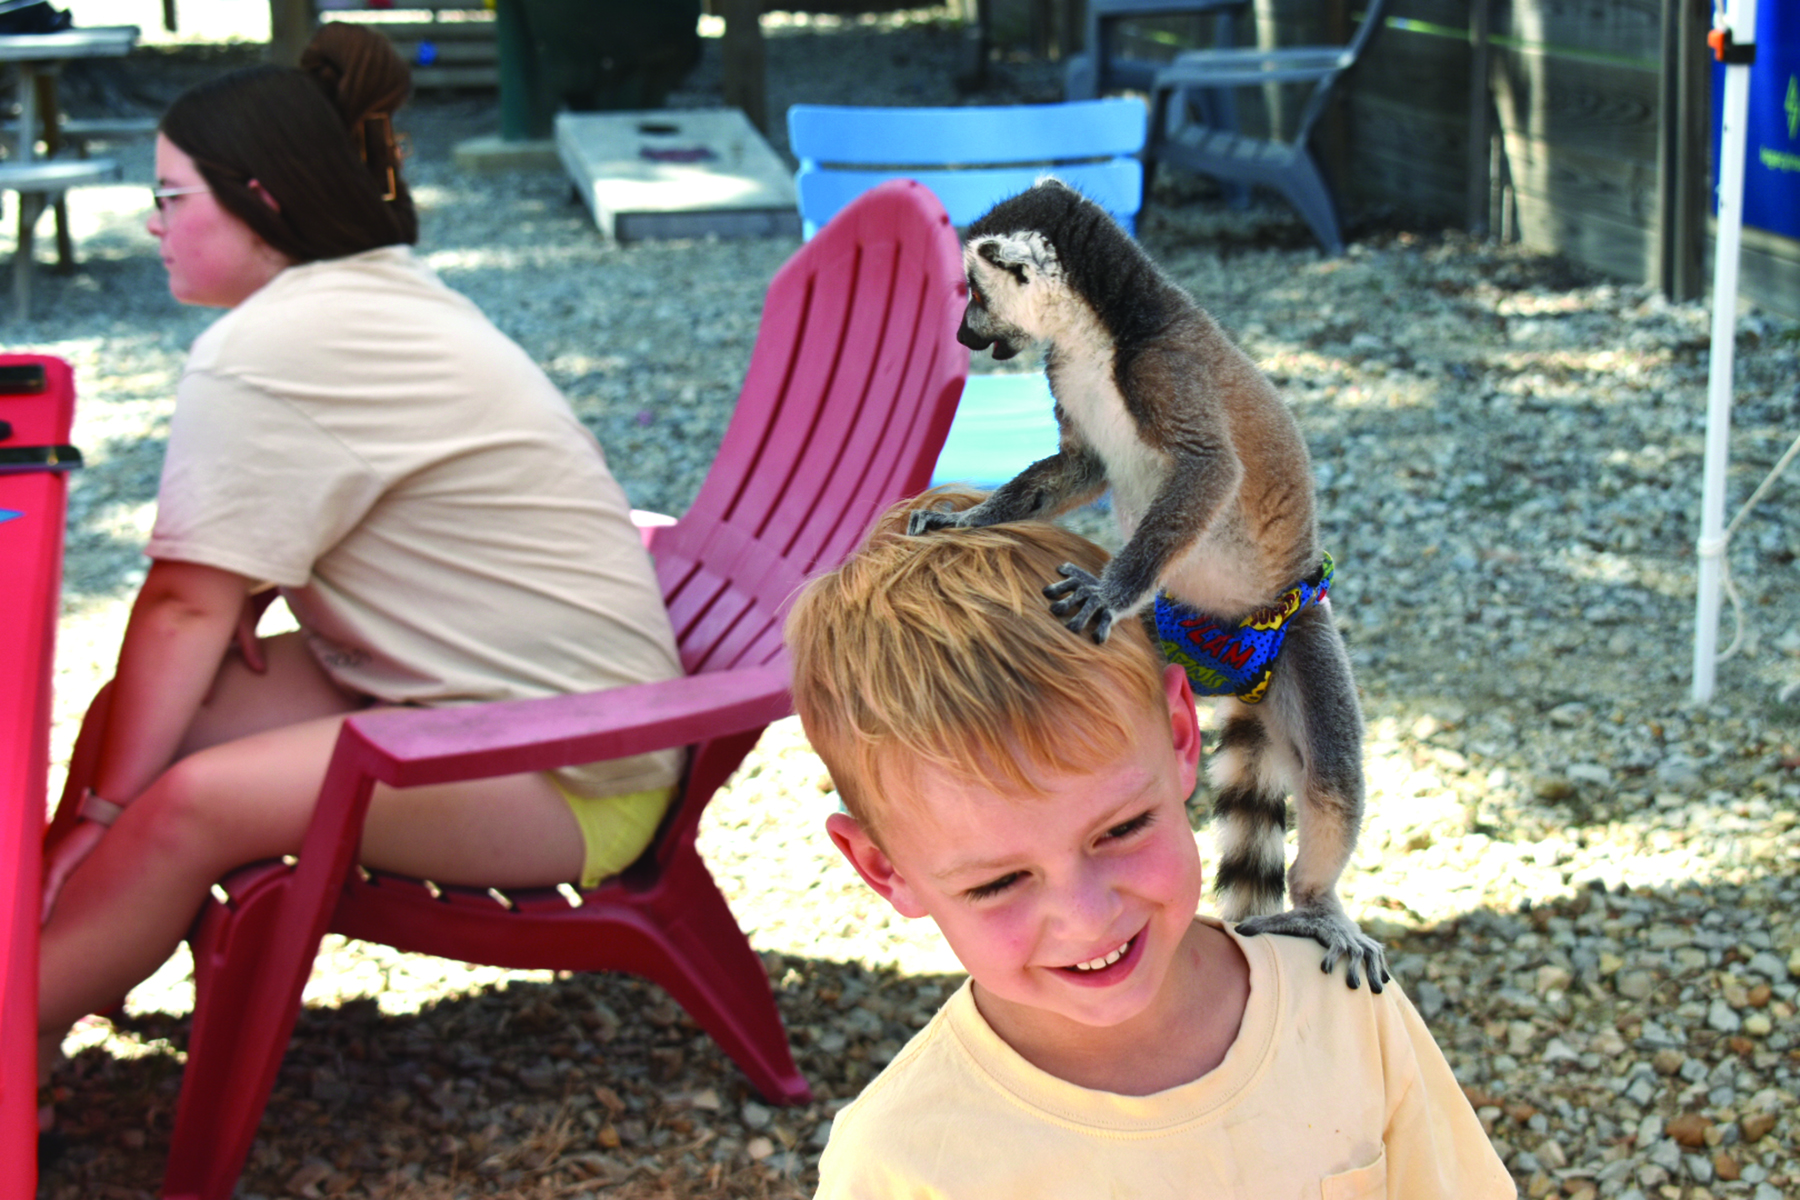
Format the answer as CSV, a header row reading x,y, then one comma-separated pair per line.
x,y
1570,1021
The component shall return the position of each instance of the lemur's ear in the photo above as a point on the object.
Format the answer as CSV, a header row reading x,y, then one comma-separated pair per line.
x,y
1026,255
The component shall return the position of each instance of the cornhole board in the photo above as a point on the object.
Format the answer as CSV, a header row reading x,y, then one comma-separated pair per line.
x,y
677,173
36,421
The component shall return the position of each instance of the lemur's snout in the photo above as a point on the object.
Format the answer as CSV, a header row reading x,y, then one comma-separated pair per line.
x,y
968,337
978,342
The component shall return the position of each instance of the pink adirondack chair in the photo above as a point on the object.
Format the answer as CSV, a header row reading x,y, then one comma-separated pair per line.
x,y
849,394
37,403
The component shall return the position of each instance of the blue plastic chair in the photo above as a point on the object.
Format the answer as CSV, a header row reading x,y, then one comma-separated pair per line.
x,y
972,158
1100,69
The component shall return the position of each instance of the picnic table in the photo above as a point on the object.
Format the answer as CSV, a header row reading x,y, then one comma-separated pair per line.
x,y
38,57
34,462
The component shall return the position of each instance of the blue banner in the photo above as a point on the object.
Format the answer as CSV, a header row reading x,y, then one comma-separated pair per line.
x,y
1772,147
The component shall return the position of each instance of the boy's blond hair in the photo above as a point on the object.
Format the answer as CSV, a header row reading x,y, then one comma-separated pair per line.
x,y
941,650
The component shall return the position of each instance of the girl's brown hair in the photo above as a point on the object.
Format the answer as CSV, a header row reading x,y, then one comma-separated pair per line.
x,y
318,139
942,651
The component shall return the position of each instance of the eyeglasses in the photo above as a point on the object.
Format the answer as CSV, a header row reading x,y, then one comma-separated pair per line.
x,y
158,195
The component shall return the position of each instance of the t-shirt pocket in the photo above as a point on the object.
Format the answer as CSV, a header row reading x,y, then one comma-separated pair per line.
x,y
1364,1183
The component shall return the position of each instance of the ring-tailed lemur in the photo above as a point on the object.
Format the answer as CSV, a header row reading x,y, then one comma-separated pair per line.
x,y
1212,486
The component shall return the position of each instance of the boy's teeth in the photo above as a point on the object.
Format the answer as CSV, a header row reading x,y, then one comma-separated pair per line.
x,y
1104,961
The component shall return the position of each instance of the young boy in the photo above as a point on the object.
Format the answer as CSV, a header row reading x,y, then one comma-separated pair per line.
x,y
1026,789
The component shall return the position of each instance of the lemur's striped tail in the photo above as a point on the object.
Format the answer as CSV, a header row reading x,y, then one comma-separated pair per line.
x,y
1250,815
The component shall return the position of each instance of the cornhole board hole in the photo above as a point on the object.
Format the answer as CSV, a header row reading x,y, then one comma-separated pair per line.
x,y
677,173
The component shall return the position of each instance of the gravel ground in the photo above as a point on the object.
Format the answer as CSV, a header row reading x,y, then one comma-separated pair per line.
x,y
1588,884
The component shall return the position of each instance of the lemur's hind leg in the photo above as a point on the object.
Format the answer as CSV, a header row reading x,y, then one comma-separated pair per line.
x,y
1311,706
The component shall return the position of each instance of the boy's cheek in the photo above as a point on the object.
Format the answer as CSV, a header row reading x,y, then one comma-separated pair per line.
x,y
991,937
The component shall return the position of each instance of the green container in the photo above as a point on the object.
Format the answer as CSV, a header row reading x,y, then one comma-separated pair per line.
x,y
589,55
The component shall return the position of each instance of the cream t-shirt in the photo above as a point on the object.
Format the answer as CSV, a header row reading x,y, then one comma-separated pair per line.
x,y
1326,1094
443,528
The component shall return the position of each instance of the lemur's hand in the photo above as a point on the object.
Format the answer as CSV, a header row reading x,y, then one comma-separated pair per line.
x,y
1331,928
925,520
1080,596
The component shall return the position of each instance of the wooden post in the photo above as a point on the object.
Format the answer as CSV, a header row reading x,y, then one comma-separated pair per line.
x,y
1480,104
1268,36
51,110
746,73
291,24
978,36
1684,133
1332,136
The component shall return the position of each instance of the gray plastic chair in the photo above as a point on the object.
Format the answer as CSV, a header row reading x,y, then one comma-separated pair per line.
x,y
1099,69
1182,134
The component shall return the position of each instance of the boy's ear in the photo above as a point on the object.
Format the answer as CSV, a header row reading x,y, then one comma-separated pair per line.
x,y
872,863
1184,722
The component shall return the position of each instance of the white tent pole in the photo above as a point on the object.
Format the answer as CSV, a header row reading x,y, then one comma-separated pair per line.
x,y
1741,21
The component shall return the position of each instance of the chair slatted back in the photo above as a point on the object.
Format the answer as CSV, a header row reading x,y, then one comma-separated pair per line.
x,y
850,390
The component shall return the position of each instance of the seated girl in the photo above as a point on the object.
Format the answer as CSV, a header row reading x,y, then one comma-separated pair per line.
x,y
358,438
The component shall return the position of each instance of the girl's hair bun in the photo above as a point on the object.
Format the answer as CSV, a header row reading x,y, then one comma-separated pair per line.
x,y
359,71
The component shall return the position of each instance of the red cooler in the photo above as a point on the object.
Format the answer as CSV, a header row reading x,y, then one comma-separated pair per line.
x,y
37,404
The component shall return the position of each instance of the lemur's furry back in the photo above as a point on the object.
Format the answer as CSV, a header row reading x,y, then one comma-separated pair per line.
x,y
1212,486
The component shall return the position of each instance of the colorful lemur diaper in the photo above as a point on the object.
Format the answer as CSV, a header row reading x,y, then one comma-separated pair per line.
x,y
1239,659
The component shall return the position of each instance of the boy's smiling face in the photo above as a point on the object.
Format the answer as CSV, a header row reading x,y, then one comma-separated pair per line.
x,y
1069,910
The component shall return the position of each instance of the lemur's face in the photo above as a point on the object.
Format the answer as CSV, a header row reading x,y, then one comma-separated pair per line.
x,y
1013,278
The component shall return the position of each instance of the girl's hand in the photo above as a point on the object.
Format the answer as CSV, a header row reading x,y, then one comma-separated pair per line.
x,y
249,646
61,862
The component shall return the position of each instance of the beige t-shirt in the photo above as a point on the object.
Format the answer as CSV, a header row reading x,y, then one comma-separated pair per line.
x,y
1327,1094
443,528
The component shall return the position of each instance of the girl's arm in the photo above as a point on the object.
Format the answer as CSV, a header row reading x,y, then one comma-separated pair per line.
x,y
183,619
181,625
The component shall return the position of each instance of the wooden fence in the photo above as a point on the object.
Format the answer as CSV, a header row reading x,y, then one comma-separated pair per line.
x,y
1591,137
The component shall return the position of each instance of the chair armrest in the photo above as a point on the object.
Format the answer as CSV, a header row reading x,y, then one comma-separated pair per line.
x,y
408,747
1249,67
649,524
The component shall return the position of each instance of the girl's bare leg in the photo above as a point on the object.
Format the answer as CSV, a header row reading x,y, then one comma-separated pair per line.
x,y
250,797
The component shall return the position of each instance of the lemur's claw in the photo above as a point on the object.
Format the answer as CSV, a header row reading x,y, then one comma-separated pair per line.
x,y
1341,937
1077,596
925,520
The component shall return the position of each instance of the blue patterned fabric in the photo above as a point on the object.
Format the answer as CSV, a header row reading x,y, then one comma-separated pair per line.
x,y
1225,660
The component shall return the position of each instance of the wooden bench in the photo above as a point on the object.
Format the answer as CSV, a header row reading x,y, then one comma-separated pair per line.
x,y
39,184
457,47
80,132
448,54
